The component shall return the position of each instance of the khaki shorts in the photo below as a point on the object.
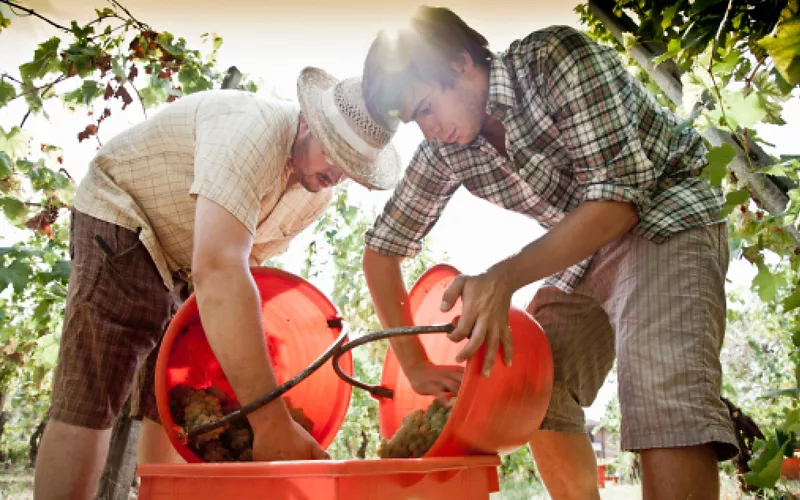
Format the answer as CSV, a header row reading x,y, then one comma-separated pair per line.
x,y
660,310
117,311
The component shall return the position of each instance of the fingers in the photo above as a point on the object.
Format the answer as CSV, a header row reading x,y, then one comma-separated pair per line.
x,y
317,453
450,385
507,343
463,329
492,346
445,399
474,343
453,292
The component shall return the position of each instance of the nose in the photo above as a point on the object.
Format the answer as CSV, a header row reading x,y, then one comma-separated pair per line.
x,y
430,129
335,175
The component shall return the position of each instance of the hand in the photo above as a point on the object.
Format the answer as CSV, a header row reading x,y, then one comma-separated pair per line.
x,y
484,318
289,442
436,380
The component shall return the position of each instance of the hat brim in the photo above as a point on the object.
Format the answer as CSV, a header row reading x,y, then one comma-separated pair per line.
x,y
382,173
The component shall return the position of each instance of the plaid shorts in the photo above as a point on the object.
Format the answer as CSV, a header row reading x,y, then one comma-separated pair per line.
x,y
660,310
117,310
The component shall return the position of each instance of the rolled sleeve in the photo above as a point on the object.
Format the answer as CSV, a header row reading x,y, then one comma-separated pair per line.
x,y
595,106
232,166
415,206
615,192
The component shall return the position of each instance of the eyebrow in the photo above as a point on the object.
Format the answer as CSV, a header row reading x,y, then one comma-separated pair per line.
x,y
416,109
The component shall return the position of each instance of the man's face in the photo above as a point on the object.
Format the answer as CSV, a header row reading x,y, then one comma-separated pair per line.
x,y
314,170
450,114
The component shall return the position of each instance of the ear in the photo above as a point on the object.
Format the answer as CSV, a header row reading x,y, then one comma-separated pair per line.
x,y
302,127
462,64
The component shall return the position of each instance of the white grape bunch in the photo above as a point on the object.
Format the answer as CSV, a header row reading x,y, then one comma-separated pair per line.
x,y
419,430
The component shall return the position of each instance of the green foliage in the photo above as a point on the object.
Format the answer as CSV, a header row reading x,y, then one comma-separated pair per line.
x,y
97,66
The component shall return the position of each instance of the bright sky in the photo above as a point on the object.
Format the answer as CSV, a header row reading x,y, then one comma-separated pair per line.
x,y
273,40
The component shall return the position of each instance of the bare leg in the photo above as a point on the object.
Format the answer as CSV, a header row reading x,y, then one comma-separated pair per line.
x,y
154,445
680,473
567,465
70,462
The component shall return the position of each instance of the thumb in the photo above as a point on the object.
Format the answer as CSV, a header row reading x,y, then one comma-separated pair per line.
x,y
452,293
319,454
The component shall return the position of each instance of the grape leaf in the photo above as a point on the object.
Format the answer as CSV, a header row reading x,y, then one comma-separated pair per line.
x,y
15,142
6,166
766,466
16,274
718,159
7,92
784,48
85,94
153,96
45,60
792,301
12,207
744,111
734,199
766,283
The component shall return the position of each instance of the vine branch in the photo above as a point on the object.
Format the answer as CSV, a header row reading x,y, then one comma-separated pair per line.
x,y
32,12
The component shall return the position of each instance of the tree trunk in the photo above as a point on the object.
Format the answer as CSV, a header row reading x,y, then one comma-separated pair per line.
x,y
3,420
121,462
34,442
768,189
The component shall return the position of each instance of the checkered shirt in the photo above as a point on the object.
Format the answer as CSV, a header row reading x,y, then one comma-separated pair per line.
x,y
228,146
579,127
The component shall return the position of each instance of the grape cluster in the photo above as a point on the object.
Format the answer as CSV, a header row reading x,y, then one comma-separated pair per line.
x,y
419,430
230,443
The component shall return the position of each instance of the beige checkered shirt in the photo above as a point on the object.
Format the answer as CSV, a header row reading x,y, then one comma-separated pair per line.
x,y
228,146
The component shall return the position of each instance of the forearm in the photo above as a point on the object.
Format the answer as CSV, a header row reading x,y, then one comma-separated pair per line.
x,y
390,297
230,311
580,234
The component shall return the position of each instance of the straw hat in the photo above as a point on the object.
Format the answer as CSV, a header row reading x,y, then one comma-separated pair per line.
x,y
352,139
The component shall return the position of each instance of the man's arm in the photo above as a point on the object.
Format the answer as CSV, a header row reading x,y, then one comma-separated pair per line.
x,y
408,216
487,297
230,310
385,281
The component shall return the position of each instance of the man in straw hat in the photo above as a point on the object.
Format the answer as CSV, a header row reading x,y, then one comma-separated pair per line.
x,y
192,197
555,128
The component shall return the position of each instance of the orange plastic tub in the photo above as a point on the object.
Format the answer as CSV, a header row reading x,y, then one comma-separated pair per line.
x,y
295,315
462,478
494,415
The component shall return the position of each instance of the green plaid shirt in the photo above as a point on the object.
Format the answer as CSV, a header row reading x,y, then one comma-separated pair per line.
x,y
579,127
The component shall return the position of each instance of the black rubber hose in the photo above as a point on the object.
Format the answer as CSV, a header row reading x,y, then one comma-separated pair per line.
x,y
336,350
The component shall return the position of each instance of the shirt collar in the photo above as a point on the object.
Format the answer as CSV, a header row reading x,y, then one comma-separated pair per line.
x,y
501,89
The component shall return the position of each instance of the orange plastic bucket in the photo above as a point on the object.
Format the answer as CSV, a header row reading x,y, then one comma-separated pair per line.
x,y
494,415
295,316
465,478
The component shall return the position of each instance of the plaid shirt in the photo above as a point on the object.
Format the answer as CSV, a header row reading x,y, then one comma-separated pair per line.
x,y
579,127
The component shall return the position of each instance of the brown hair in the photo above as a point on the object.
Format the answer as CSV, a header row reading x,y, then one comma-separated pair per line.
x,y
423,52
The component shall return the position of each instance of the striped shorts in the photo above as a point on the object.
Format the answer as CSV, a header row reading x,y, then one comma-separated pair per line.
x,y
660,310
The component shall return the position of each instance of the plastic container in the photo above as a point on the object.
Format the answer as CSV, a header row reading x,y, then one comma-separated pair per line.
x,y
462,478
494,415
295,316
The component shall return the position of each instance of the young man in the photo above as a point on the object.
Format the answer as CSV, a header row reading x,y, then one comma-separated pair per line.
x,y
215,183
635,257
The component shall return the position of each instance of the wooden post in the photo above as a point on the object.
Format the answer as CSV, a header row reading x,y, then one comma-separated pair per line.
x,y
120,470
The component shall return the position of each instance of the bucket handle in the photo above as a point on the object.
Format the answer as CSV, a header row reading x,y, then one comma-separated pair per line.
x,y
379,391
